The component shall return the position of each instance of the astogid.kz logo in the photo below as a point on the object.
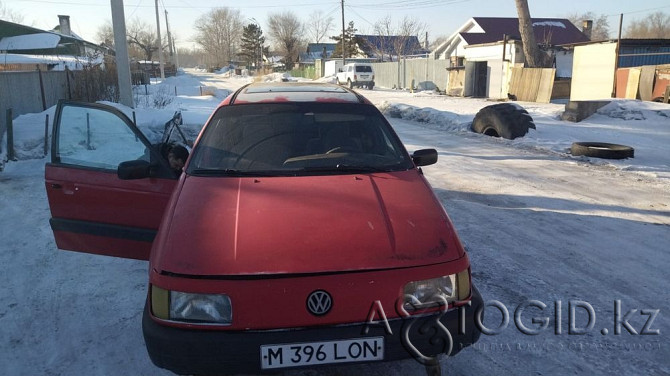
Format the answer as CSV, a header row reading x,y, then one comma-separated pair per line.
x,y
531,318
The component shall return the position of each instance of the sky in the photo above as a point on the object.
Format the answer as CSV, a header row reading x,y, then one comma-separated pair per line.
x,y
538,224
441,17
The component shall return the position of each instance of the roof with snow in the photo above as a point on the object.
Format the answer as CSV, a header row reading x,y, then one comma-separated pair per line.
x,y
30,40
315,51
548,31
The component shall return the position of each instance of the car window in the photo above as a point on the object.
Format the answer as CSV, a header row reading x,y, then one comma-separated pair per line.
x,y
92,137
303,139
364,68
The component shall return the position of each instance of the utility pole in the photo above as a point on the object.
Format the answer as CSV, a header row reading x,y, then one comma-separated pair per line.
x,y
160,43
176,54
121,48
617,53
344,56
167,27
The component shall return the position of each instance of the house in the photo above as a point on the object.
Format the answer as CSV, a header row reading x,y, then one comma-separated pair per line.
x,y
482,52
27,47
639,67
390,47
316,51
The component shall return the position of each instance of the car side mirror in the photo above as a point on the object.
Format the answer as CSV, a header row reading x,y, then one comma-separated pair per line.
x,y
424,157
131,170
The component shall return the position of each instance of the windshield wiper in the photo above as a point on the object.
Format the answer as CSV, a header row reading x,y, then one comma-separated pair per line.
x,y
233,172
345,168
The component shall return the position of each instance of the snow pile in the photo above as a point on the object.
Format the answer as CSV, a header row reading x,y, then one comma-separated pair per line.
x,y
443,120
29,134
278,77
224,70
635,110
327,79
181,85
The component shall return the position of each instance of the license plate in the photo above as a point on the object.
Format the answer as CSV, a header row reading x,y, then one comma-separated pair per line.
x,y
314,353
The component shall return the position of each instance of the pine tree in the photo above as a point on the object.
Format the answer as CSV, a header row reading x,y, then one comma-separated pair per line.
x,y
351,42
252,42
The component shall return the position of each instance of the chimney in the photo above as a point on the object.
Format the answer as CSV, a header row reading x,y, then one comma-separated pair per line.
x,y
587,28
64,22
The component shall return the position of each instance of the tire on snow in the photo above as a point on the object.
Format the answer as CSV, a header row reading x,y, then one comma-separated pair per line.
x,y
504,120
602,150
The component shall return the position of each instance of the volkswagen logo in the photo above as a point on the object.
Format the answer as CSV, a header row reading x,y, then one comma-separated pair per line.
x,y
319,303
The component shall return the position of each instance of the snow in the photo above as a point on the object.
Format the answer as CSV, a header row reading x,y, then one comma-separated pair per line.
x,y
550,24
58,62
29,42
539,224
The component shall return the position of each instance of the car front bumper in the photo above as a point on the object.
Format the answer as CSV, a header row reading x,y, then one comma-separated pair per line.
x,y
187,351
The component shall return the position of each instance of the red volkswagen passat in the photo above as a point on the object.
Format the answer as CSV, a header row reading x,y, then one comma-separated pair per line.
x,y
301,232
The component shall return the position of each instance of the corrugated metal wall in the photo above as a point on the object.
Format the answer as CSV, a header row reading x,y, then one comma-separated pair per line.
x,y
414,73
21,92
637,56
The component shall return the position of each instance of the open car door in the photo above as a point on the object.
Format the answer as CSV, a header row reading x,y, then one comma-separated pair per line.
x,y
93,210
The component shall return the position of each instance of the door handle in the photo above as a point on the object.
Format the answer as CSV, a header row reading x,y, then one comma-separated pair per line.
x,y
56,186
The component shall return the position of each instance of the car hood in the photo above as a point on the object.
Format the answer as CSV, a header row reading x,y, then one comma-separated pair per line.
x,y
276,225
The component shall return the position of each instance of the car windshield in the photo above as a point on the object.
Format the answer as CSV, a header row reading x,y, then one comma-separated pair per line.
x,y
286,139
364,68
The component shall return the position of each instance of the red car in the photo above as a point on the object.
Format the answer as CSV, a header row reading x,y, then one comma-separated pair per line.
x,y
301,233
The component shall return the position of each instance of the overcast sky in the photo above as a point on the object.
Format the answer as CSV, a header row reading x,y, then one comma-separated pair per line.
x,y
442,17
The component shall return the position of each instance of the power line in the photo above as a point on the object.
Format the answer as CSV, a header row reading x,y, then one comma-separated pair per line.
x,y
638,11
417,4
61,2
135,9
359,16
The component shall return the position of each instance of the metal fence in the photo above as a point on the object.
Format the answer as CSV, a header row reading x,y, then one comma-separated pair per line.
x,y
35,91
427,74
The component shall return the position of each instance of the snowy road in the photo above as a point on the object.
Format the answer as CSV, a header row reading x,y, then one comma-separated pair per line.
x,y
538,226
547,228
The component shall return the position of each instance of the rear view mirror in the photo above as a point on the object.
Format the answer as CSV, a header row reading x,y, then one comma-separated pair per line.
x,y
424,157
131,170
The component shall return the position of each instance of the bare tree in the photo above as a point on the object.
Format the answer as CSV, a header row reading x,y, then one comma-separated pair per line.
x,y
395,40
601,27
10,15
384,30
105,34
656,25
286,31
407,29
535,58
318,26
142,36
219,34
437,42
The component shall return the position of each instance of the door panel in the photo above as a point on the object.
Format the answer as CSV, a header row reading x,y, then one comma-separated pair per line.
x,y
92,209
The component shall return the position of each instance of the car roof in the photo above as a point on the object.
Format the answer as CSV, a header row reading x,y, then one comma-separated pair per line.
x,y
282,92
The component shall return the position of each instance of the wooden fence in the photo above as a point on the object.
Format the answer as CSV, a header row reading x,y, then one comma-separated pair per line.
x,y
532,84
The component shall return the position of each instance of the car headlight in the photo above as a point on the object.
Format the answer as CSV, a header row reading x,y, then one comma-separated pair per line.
x,y
191,307
436,292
